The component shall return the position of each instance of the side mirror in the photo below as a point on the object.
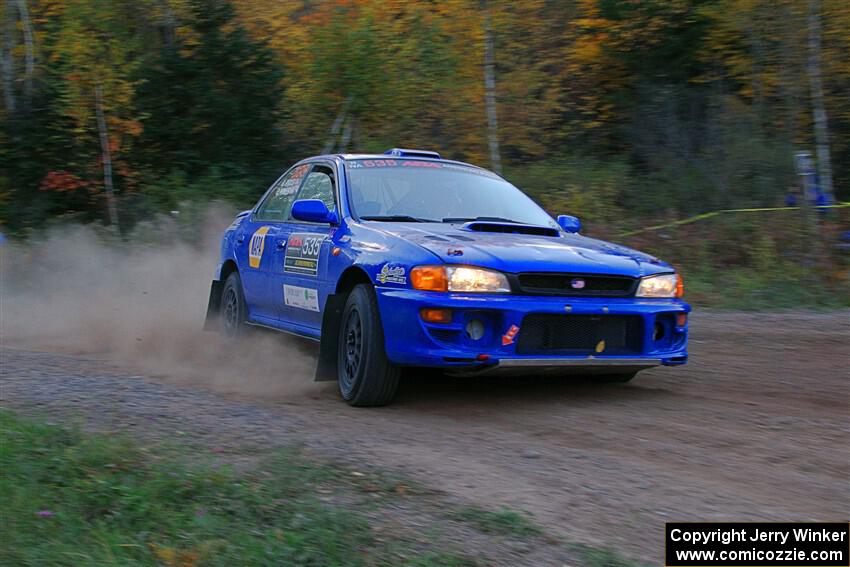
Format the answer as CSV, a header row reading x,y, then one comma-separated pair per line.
x,y
569,223
313,210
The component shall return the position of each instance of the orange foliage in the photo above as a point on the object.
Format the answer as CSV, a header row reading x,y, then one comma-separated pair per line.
x,y
61,182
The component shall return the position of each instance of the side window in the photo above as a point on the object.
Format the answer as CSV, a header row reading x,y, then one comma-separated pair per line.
x,y
320,184
279,200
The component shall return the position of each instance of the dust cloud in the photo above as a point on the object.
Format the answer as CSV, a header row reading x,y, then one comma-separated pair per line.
x,y
141,302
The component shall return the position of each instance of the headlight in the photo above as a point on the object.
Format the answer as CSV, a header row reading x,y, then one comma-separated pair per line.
x,y
664,285
458,278
463,278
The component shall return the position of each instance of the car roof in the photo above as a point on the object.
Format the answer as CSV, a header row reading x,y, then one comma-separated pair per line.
x,y
348,157
396,153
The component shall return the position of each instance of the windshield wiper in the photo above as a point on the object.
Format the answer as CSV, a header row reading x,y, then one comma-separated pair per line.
x,y
470,219
396,218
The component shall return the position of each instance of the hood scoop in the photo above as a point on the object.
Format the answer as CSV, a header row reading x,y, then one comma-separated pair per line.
x,y
510,228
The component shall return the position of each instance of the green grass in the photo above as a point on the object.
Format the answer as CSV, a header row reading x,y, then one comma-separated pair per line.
x,y
503,521
753,290
594,557
71,498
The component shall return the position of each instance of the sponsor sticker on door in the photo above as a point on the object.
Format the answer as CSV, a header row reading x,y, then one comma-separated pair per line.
x,y
301,297
302,254
258,244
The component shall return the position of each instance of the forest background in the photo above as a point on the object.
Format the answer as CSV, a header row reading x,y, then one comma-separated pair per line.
x,y
627,113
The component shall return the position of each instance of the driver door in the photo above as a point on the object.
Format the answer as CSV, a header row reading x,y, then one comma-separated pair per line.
x,y
260,236
301,275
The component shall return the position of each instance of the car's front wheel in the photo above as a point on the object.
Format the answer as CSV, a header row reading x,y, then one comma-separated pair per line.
x,y
233,311
366,376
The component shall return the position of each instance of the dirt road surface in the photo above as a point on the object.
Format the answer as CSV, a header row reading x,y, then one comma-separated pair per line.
x,y
755,427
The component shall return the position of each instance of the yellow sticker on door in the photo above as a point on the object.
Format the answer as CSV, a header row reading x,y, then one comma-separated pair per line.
x,y
258,244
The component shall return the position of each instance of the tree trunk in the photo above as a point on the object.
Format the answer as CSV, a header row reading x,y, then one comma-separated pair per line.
x,y
346,135
818,109
107,160
490,92
7,58
169,25
335,127
29,50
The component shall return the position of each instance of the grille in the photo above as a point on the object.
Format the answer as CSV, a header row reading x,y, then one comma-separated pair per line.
x,y
543,333
562,284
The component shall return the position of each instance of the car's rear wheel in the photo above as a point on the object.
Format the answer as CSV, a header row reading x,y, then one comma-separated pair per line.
x,y
233,311
614,378
366,376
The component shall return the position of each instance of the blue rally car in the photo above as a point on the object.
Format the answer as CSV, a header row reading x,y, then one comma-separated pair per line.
x,y
410,260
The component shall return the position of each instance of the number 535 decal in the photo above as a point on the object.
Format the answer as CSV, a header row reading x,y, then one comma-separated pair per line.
x,y
302,254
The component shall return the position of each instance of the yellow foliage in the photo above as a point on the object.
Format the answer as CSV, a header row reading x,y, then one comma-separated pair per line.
x,y
174,557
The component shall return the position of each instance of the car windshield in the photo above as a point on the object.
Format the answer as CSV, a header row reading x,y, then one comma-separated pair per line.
x,y
408,190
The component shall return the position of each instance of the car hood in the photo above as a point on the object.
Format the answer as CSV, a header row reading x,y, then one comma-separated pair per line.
x,y
514,253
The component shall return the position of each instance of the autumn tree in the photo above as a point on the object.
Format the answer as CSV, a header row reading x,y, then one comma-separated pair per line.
x,y
95,51
214,100
658,108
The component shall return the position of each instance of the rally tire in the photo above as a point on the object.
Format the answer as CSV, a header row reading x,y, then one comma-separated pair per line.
x,y
614,378
233,311
366,377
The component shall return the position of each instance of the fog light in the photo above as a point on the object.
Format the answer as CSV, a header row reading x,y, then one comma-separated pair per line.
x,y
681,319
430,315
475,329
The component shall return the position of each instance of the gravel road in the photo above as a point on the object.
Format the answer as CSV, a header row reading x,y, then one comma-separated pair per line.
x,y
755,427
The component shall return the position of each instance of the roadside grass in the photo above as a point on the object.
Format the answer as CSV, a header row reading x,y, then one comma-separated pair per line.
x,y
751,290
71,498
596,557
503,521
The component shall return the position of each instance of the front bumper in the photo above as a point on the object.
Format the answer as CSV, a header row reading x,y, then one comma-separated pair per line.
x,y
409,341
